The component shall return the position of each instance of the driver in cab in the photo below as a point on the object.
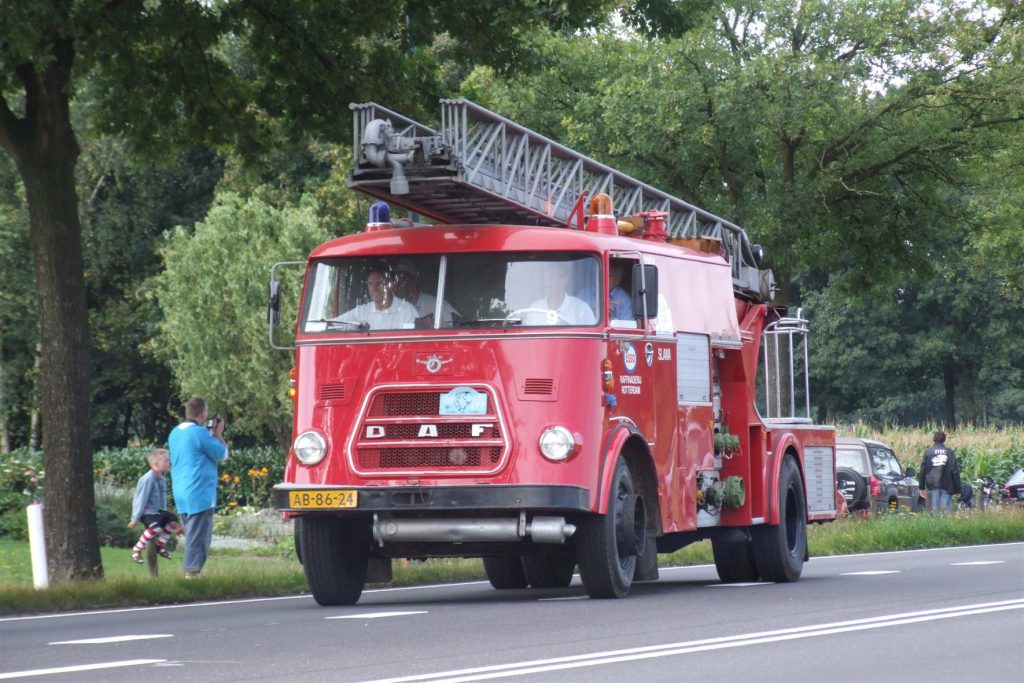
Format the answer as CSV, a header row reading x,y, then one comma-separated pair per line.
x,y
384,310
558,307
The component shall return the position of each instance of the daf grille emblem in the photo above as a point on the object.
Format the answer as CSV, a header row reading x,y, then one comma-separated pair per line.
x,y
433,363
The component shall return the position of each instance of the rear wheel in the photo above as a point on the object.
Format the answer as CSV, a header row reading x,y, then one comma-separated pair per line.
x,y
549,569
335,553
505,571
779,549
607,545
734,561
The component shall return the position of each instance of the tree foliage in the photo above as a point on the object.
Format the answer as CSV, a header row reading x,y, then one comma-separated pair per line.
x,y
835,132
213,295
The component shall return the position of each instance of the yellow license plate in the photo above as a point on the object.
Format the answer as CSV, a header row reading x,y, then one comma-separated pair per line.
x,y
322,499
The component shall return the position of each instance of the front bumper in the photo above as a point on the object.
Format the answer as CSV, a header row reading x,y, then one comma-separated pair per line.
x,y
442,499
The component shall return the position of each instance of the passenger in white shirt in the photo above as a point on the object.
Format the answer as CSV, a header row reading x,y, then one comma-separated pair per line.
x,y
384,311
407,287
561,308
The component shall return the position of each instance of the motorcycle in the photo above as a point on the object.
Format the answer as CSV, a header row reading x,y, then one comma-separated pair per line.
x,y
989,492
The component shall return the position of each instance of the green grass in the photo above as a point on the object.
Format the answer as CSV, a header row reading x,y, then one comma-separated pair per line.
x,y
241,574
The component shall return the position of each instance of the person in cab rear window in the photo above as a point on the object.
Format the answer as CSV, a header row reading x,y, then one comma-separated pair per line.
x,y
558,307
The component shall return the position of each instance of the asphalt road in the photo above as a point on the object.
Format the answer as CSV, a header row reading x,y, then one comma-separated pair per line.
x,y
954,614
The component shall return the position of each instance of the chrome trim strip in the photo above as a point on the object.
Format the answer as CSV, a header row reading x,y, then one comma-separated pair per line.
x,y
345,341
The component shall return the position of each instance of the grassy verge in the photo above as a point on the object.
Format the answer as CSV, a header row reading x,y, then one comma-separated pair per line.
x,y
237,574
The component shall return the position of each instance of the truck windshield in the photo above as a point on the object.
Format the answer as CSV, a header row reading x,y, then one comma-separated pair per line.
x,y
476,290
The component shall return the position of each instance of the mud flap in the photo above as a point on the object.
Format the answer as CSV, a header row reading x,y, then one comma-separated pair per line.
x,y
647,564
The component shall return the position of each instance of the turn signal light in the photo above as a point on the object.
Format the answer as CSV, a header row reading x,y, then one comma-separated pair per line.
x,y
293,389
607,378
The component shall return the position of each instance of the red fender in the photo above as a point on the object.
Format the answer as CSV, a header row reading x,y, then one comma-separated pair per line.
x,y
779,448
614,440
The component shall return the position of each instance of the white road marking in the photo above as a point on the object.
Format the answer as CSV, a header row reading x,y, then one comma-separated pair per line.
x,y
219,603
977,563
80,667
110,639
565,597
376,615
876,572
740,584
672,649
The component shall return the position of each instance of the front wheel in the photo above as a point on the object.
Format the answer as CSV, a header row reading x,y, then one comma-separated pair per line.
x,y
779,549
608,545
335,553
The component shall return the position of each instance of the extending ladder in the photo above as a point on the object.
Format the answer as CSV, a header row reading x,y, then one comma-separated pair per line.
x,y
483,168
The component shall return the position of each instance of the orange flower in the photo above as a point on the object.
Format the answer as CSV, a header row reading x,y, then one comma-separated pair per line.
x,y
232,504
238,479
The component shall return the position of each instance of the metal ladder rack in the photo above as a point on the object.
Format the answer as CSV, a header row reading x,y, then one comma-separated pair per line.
x,y
483,168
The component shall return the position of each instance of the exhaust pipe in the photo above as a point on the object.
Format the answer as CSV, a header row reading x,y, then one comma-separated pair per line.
x,y
540,530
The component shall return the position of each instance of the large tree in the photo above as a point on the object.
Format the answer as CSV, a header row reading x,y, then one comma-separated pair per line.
x,y
837,133
176,72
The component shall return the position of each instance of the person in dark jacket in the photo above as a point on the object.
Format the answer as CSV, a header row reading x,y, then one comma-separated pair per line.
x,y
940,474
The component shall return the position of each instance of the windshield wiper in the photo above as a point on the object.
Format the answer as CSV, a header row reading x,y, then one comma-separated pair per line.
x,y
359,325
504,322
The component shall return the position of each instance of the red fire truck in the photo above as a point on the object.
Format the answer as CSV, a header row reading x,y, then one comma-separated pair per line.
x,y
538,384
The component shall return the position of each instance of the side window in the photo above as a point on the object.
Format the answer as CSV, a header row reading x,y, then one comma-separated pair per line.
x,y
894,464
620,289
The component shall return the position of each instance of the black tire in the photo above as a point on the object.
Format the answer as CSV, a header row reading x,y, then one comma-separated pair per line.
x,y
734,561
335,553
779,549
549,568
607,546
854,488
505,571
296,536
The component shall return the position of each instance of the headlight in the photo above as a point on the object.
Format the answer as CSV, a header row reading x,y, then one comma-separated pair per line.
x,y
310,448
556,443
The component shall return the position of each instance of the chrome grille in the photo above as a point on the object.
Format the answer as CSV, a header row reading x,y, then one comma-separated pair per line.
x,y
401,430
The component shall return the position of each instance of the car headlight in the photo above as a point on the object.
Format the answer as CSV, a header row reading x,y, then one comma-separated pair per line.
x,y
310,448
556,443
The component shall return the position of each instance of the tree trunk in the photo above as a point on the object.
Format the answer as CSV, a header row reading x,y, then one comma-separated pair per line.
x,y
5,434
34,417
45,150
949,382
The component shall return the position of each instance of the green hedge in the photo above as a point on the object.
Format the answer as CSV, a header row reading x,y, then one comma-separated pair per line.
x,y
246,481
246,478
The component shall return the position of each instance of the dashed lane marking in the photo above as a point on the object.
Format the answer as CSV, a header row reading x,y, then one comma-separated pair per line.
x,y
80,667
110,639
376,615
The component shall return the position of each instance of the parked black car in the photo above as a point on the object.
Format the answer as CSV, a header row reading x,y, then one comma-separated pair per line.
x,y
871,478
1014,487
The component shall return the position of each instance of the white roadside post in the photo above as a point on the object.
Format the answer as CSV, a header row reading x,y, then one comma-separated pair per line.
x,y
37,545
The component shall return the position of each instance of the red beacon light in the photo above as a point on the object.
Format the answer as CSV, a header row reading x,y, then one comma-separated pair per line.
x,y
602,218
380,218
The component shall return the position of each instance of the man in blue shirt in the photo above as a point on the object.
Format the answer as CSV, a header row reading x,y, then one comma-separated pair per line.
x,y
619,301
195,453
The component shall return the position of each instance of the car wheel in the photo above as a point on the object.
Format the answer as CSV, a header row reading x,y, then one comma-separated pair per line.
x,y
853,487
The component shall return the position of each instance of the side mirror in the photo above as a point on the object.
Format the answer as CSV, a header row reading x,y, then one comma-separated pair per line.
x,y
645,288
274,303
911,472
